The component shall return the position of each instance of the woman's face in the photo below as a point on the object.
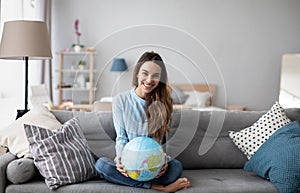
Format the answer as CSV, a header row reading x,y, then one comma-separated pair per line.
x,y
148,78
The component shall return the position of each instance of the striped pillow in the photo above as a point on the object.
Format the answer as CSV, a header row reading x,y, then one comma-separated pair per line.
x,y
62,156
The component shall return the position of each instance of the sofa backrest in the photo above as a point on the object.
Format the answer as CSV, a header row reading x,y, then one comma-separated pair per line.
x,y
97,128
199,139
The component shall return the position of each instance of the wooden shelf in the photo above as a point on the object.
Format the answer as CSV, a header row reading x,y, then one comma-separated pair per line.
x,y
78,89
76,71
63,71
76,53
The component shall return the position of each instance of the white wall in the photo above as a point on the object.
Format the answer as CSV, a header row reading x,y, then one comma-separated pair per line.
x,y
236,45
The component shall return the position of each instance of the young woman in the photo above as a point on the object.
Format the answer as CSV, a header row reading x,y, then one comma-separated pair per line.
x,y
144,110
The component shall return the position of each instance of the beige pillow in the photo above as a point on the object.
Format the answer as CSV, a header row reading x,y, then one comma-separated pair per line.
x,y
14,137
197,99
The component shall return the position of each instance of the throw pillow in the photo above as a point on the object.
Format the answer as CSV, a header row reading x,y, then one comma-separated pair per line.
x,y
62,156
13,136
20,170
198,99
178,96
251,138
278,159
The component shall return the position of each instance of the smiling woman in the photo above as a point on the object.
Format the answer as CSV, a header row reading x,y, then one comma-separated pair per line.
x,y
144,111
148,78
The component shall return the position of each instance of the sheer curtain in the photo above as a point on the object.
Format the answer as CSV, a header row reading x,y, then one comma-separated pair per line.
x,y
43,13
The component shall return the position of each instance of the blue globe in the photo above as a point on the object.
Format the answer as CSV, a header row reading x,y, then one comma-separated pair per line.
x,y
143,158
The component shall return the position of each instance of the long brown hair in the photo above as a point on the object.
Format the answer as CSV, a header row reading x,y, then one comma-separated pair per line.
x,y
159,104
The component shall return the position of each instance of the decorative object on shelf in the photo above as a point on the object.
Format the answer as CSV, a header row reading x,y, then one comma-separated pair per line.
x,y
80,80
77,47
87,82
64,85
81,64
90,49
32,43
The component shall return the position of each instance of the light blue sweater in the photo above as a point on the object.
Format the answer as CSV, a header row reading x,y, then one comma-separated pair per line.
x,y
129,118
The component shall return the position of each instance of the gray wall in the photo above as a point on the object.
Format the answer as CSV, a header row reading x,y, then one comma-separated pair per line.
x,y
235,44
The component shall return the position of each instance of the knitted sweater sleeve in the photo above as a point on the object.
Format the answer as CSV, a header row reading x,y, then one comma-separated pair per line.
x,y
118,120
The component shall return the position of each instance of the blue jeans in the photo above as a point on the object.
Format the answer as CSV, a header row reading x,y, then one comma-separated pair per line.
x,y
107,170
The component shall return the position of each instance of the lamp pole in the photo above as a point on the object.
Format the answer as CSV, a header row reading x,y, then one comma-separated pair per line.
x,y
26,83
21,112
32,43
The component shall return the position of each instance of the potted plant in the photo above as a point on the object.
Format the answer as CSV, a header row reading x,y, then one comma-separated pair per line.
x,y
77,47
87,82
81,64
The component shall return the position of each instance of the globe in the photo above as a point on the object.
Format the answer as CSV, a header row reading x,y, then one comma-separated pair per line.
x,y
143,158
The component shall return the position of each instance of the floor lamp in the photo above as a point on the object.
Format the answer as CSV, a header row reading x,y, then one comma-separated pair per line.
x,y
25,40
119,65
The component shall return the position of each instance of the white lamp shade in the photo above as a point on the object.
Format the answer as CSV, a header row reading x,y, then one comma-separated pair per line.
x,y
25,38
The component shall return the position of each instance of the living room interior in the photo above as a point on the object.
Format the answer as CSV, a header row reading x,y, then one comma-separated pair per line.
x,y
237,46
229,63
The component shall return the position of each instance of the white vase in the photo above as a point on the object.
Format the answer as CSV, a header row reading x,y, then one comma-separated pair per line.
x,y
81,81
87,84
77,48
81,67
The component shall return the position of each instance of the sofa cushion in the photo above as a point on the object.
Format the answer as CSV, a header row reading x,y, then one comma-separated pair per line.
x,y
206,180
251,138
92,186
227,181
20,170
62,156
97,128
13,136
278,159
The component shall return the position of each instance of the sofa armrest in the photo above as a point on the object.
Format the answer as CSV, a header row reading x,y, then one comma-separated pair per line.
x,y
5,159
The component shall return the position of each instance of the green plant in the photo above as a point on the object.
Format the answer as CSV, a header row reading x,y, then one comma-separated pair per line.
x,y
82,62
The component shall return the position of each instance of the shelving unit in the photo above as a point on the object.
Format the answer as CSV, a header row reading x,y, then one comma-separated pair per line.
x,y
66,70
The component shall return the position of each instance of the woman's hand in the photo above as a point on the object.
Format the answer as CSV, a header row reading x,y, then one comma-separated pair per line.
x,y
120,167
164,168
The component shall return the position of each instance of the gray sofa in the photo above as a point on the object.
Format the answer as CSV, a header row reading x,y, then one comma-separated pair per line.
x,y
199,139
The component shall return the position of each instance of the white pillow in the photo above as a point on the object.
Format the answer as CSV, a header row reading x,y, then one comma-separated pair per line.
x,y
14,137
106,99
198,99
251,138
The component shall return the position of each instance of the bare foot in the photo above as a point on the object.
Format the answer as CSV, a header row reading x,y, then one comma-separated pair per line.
x,y
180,183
